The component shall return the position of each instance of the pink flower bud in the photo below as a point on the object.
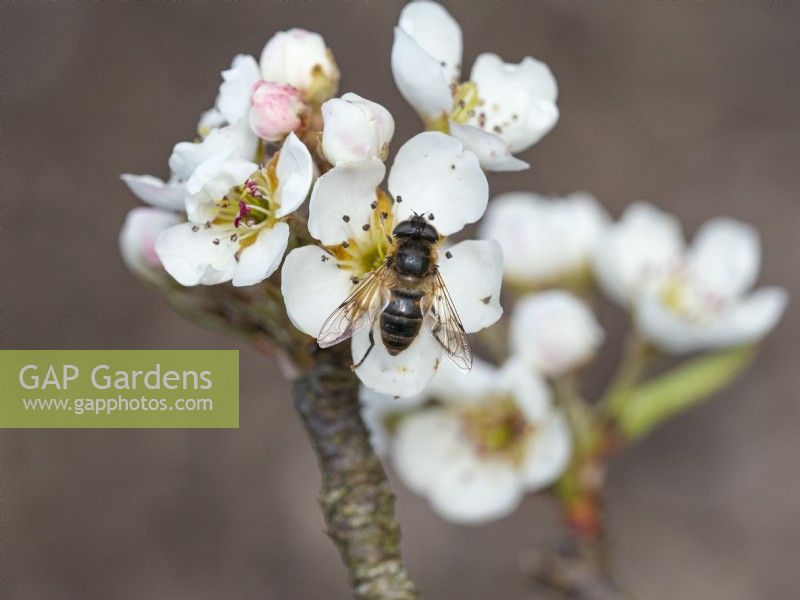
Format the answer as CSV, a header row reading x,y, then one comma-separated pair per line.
x,y
276,110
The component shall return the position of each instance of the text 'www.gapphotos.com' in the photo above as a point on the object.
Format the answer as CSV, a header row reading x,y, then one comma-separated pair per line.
x,y
107,406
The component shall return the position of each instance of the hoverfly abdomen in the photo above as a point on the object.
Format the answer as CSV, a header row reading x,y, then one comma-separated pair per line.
x,y
401,320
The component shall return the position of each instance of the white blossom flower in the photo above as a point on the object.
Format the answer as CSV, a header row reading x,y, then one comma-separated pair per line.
x,y
545,240
554,332
137,239
301,59
230,141
495,436
637,253
504,108
237,212
378,410
433,175
277,110
355,129
705,303
170,194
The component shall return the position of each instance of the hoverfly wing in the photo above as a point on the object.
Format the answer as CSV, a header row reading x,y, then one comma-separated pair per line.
x,y
445,325
362,306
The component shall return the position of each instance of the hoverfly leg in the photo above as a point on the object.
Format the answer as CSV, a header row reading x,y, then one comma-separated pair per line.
x,y
371,346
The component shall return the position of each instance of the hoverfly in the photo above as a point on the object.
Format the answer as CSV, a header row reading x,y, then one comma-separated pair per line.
x,y
406,291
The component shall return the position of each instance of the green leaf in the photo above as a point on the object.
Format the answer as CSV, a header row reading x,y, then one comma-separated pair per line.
x,y
662,397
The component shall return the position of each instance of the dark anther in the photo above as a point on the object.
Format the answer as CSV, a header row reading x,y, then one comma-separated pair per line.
x,y
196,228
365,227
448,254
215,241
345,245
346,218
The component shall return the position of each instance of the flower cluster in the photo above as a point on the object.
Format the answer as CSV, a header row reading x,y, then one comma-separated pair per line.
x,y
233,210
472,445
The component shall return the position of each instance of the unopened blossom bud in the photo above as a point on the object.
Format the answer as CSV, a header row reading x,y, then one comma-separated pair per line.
x,y
554,332
355,129
137,239
301,59
276,110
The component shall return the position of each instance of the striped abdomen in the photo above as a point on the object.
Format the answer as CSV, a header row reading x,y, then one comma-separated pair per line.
x,y
401,320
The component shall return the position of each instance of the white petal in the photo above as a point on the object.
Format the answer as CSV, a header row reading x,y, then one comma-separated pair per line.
x,y
492,152
724,257
473,275
750,319
426,445
548,452
452,386
355,129
346,136
233,100
192,258
341,201
544,239
295,172
436,32
137,238
638,252
473,492
262,258
529,390
231,141
419,77
375,409
744,322
554,332
313,286
381,120
156,192
209,121
211,181
296,57
519,99
406,374
433,173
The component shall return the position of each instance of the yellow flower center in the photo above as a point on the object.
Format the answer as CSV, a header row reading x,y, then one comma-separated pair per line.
x,y
245,209
366,253
497,428
466,105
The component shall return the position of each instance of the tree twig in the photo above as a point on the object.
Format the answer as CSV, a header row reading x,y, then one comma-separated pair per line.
x,y
356,499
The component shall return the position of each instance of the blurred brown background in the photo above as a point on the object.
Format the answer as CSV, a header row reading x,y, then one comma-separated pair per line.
x,y
695,107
